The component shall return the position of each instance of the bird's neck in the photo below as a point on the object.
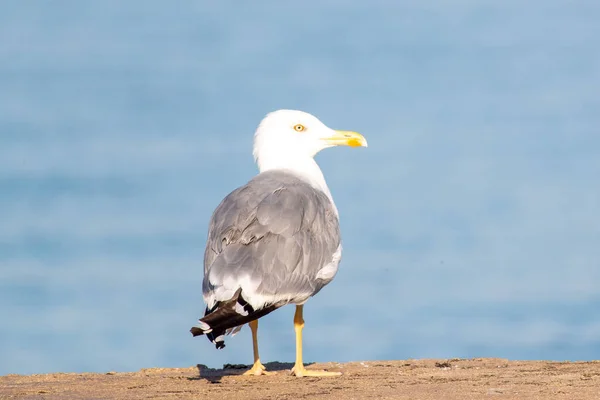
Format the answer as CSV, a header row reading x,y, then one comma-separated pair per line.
x,y
306,168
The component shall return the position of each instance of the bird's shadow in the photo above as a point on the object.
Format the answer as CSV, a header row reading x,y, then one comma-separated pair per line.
x,y
214,375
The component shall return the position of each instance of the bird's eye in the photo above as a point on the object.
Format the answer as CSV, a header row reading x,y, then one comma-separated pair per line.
x,y
299,128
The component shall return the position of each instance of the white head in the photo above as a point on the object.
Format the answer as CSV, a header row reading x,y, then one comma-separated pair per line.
x,y
290,139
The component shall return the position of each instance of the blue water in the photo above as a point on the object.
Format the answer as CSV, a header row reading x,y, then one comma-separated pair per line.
x,y
471,224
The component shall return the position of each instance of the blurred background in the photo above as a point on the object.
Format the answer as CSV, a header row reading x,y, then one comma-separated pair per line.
x,y
471,224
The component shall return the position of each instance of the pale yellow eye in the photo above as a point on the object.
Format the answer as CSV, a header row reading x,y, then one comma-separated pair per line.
x,y
299,128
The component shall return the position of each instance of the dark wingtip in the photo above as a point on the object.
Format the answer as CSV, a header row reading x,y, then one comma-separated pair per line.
x,y
196,331
220,345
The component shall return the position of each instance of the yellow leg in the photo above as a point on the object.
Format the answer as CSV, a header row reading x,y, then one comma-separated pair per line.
x,y
299,369
257,368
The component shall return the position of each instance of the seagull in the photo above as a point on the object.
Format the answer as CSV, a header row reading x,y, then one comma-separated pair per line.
x,y
275,240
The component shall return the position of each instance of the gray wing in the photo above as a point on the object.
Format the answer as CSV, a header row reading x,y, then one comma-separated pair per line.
x,y
271,238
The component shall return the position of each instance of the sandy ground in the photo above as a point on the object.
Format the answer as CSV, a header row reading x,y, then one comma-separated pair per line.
x,y
486,378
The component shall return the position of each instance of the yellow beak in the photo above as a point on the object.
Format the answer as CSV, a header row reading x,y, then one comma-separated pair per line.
x,y
346,138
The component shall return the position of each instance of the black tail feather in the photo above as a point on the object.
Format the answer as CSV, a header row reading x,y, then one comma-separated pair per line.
x,y
229,314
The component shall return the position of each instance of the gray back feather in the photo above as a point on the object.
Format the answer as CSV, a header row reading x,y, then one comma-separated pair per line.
x,y
277,230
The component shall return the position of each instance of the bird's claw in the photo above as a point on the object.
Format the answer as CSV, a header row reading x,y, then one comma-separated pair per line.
x,y
258,369
300,371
